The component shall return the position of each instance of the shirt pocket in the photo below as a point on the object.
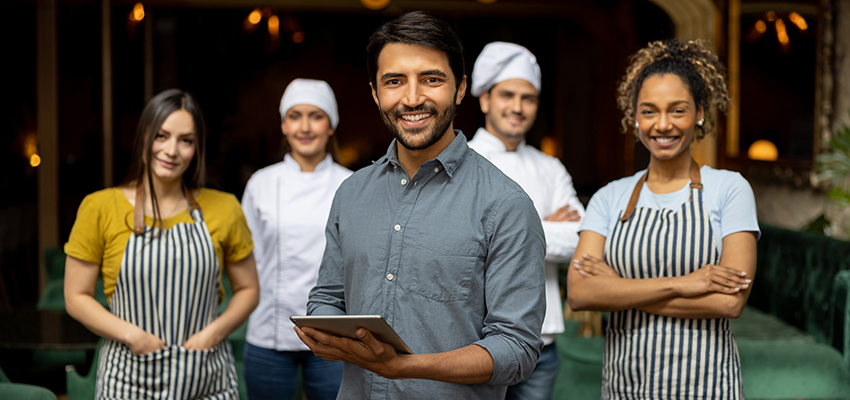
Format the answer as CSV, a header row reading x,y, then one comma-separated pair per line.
x,y
443,267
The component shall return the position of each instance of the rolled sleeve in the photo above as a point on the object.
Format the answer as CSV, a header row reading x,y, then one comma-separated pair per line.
x,y
328,296
514,290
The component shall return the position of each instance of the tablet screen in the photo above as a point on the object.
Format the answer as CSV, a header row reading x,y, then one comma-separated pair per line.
x,y
347,325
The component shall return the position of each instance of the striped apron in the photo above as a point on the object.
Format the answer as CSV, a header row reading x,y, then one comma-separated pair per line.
x,y
168,285
654,357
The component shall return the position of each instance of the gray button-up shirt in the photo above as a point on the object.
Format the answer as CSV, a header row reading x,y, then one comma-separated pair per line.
x,y
451,257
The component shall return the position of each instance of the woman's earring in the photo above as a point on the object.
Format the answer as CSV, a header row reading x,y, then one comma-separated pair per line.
x,y
637,125
701,121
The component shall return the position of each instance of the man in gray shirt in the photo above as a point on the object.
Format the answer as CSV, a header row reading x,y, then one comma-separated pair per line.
x,y
433,237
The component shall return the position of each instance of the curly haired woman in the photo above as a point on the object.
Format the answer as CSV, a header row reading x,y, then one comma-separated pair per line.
x,y
670,251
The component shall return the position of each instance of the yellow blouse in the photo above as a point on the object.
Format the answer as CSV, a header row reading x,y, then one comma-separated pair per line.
x,y
105,222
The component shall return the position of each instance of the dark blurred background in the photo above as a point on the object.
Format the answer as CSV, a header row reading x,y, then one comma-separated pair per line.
x,y
236,57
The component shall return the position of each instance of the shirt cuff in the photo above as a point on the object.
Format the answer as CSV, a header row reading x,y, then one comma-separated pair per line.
x,y
511,365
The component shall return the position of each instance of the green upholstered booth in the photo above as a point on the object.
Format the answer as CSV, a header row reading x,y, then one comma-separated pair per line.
x,y
792,336
53,298
82,387
841,318
20,391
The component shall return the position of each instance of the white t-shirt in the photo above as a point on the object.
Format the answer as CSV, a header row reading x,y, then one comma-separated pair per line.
x,y
287,211
550,187
727,197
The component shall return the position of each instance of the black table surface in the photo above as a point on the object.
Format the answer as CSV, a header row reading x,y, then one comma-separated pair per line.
x,y
44,330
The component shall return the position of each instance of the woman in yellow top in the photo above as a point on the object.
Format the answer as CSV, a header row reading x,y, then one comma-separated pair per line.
x,y
161,260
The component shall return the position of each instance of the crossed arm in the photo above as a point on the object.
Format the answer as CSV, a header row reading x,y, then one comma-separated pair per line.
x,y
713,291
80,280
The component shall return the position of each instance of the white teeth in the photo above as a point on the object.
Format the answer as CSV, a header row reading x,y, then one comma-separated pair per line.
x,y
664,139
414,118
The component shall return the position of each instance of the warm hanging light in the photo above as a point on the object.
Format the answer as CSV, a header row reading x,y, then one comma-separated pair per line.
x,y
297,37
255,16
799,21
781,32
770,16
763,150
138,12
31,149
549,145
761,27
375,4
274,25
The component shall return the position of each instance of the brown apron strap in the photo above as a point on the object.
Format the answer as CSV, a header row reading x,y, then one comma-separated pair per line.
x,y
696,183
630,209
189,196
139,211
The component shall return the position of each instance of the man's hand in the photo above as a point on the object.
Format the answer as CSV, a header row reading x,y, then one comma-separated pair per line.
x,y
367,352
564,214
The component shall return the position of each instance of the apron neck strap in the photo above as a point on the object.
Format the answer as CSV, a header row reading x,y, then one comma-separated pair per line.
x,y
139,210
696,183
193,205
139,207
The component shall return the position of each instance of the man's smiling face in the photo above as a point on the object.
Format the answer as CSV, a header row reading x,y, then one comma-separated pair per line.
x,y
416,94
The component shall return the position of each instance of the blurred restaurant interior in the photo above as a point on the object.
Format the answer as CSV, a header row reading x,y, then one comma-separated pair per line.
x,y
80,71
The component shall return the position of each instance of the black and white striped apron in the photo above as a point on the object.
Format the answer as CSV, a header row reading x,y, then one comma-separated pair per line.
x,y
654,357
168,285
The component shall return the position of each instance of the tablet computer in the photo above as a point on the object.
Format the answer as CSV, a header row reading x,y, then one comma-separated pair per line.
x,y
347,325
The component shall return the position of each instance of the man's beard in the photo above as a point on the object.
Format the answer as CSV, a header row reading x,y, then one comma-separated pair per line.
x,y
442,121
512,136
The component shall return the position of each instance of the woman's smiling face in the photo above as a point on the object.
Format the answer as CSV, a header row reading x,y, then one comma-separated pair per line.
x,y
173,147
666,115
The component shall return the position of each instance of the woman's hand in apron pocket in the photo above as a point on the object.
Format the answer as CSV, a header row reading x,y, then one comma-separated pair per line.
x,y
588,265
713,279
204,339
141,342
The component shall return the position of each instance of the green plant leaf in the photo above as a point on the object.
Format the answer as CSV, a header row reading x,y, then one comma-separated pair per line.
x,y
839,196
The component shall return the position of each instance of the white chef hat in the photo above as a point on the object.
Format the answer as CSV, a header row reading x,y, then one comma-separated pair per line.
x,y
500,61
313,92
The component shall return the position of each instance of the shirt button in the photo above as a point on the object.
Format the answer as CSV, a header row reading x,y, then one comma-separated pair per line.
x,y
404,181
397,227
436,169
389,277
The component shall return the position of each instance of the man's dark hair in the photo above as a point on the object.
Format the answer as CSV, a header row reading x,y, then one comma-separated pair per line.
x,y
416,28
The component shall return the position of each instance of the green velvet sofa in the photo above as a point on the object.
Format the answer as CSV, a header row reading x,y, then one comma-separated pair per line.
x,y
793,336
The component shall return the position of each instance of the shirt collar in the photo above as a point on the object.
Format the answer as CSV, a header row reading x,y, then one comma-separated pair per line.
x,y
290,164
451,157
489,142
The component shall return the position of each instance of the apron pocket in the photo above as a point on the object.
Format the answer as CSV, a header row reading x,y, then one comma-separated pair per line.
x,y
128,376
205,373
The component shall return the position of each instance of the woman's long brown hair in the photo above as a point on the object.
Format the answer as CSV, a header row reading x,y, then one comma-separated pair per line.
x,y
155,113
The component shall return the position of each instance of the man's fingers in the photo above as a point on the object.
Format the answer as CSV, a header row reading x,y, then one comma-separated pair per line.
x,y
370,342
305,337
320,350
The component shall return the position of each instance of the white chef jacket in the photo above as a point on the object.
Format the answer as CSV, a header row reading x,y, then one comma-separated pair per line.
x,y
550,187
287,211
